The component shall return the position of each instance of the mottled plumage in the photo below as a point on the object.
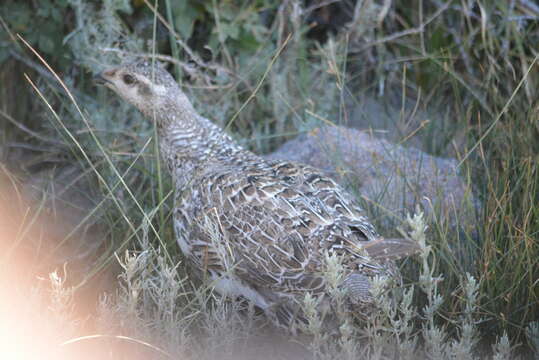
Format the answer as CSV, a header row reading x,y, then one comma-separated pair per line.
x,y
259,229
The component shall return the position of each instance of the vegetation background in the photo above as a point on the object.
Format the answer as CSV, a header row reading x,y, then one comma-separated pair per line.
x,y
82,183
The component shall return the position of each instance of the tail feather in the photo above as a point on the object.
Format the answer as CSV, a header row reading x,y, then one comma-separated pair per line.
x,y
391,249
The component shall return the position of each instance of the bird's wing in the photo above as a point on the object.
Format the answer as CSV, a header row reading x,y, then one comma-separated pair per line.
x,y
337,201
313,181
272,229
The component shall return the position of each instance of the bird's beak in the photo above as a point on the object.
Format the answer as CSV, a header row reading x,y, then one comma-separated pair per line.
x,y
102,78
99,79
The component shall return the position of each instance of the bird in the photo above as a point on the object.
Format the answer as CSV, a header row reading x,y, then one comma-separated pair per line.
x,y
261,230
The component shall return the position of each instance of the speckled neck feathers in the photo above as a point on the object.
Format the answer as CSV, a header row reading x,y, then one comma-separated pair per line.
x,y
188,141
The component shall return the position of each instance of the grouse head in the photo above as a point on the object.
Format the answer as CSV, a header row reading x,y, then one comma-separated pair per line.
x,y
149,87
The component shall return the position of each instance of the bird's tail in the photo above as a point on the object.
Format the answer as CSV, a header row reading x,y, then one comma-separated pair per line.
x,y
391,249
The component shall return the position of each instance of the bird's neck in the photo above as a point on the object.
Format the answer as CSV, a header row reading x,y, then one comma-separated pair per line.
x,y
190,142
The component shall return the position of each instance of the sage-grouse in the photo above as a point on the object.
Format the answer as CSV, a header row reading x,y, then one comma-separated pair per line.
x,y
258,229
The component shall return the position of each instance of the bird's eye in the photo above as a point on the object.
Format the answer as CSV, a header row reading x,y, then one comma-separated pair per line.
x,y
128,79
